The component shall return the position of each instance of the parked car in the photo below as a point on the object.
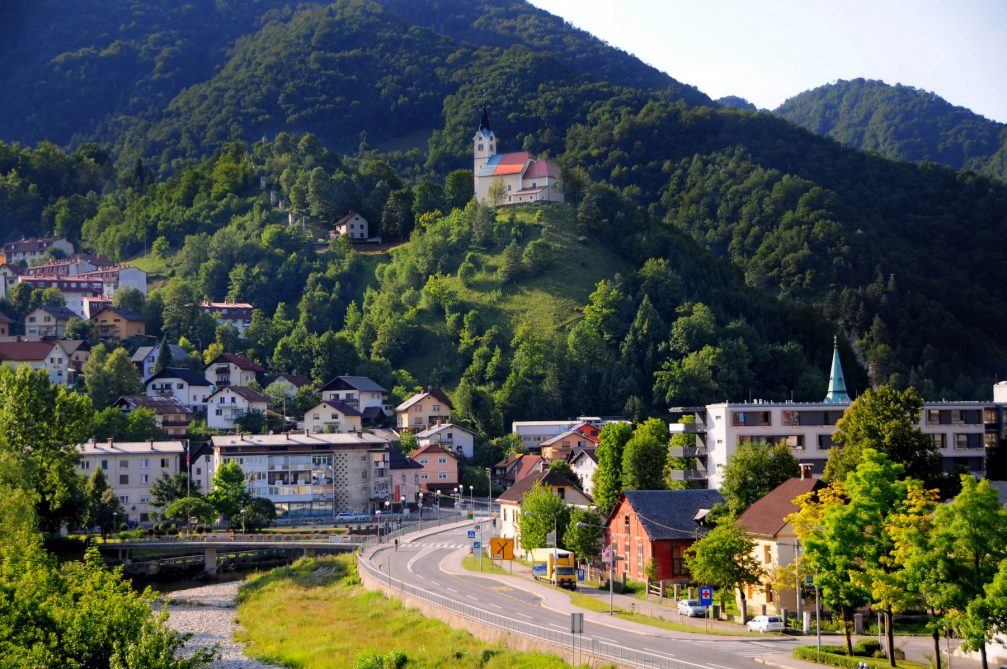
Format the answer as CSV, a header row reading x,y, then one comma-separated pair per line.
x,y
766,624
691,608
347,517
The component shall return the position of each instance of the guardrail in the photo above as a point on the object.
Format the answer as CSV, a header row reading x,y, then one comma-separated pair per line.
x,y
598,649
211,538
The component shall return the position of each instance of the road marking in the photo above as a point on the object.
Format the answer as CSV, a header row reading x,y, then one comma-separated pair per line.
x,y
494,605
720,666
523,615
453,590
433,581
605,638
471,597
658,652
558,626
409,565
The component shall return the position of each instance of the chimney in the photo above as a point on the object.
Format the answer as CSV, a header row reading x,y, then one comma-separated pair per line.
x,y
805,471
150,442
307,432
111,442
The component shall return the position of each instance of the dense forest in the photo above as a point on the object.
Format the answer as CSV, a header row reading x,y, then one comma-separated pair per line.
x,y
901,123
705,253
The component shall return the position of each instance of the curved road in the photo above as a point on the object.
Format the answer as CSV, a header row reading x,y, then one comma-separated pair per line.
x,y
433,563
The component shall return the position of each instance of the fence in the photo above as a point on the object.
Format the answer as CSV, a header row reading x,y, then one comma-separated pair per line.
x,y
564,641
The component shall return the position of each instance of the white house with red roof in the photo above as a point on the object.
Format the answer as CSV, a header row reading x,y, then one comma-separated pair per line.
x,y
524,178
230,403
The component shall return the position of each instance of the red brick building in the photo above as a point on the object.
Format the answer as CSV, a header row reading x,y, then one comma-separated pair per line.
x,y
658,524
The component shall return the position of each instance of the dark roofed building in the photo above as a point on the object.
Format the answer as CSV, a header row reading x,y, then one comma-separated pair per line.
x,y
171,415
510,500
357,391
658,524
232,369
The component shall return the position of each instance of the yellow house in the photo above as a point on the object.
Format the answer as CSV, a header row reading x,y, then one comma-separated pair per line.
x,y
776,542
117,323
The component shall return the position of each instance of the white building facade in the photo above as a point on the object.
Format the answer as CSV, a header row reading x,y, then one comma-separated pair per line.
x,y
131,468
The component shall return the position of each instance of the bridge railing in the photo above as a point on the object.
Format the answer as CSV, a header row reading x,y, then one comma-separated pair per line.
x,y
575,643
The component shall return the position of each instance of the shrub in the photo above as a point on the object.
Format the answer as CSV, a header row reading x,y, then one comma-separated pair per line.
x,y
835,656
868,648
368,660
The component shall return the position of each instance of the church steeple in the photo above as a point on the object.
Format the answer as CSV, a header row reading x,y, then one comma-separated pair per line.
x,y
484,124
837,384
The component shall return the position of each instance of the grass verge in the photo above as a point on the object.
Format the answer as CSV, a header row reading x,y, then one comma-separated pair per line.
x,y
838,658
315,614
471,562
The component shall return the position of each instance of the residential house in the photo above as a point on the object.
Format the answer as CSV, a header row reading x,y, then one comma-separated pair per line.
x,y
658,525
515,467
776,543
533,432
511,500
522,178
171,415
117,323
131,468
404,476
72,266
238,314
232,369
74,289
186,385
311,474
364,395
199,463
9,275
451,437
562,445
289,384
422,410
92,305
964,432
5,322
47,321
352,225
332,416
438,467
79,351
114,277
230,403
583,462
24,251
145,357
37,355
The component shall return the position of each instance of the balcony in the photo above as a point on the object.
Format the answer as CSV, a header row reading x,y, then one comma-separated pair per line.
x,y
688,475
688,451
687,428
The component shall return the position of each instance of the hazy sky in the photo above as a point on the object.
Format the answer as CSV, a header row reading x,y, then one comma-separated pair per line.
x,y
769,50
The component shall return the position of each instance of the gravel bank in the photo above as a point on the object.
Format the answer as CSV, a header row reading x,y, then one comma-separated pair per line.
x,y
207,612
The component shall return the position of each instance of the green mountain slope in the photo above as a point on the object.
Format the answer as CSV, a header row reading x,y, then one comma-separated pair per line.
x,y
900,122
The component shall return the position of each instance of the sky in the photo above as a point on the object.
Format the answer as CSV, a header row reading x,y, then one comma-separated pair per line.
x,y
769,50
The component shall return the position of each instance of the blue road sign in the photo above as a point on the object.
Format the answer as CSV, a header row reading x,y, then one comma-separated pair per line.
x,y
477,545
580,574
472,534
705,595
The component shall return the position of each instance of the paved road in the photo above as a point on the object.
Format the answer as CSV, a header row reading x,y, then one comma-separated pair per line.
x,y
433,563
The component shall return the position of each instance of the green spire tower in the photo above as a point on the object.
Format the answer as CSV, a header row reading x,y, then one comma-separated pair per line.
x,y
837,384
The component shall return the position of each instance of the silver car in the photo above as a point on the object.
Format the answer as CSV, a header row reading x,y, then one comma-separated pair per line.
x,y
691,608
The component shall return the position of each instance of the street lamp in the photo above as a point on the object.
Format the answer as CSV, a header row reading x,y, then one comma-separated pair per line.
x,y
472,500
489,493
388,513
402,509
611,571
420,508
332,481
115,521
242,520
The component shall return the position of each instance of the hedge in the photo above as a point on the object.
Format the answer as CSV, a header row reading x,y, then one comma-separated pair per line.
x,y
836,656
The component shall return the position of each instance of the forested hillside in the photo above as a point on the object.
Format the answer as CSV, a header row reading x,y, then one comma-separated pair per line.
x,y
759,221
901,123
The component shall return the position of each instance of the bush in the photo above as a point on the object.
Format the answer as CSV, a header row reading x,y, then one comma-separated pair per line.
x,y
368,660
836,656
867,648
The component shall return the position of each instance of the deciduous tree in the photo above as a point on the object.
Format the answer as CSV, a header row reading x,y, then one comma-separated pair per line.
x,y
724,559
645,457
607,484
542,510
754,470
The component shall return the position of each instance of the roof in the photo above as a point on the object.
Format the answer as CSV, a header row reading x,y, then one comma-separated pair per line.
x,y
768,515
345,219
504,163
398,460
297,380
23,351
128,314
434,429
245,392
341,407
837,383
240,361
361,383
115,447
160,405
190,376
433,449
32,244
553,479
210,306
589,452
671,514
373,413
59,313
419,397
71,346
309,441
568,433
484,123
4,318
540,169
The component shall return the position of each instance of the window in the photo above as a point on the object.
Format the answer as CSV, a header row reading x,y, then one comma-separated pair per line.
x,y
144,463
123,479
824,442
436,407
423,460
767,554
480,147
443,476
86,464
123,464
219,413
144,499
639,559
939,440
104,464
124,499
164,463
144,478
180,386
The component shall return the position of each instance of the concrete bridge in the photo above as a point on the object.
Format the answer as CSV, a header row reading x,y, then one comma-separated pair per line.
x,y
309,545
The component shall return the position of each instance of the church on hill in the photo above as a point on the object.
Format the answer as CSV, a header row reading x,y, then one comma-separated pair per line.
x,y
522,178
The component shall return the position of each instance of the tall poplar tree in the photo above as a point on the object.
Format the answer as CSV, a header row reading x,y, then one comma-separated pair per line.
x,y
607,484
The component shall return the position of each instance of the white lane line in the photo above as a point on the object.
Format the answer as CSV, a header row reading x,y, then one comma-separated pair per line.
x,y
605,638
720,666
494,605
453,590
558,626
658,652
523,615
471,597
409,565
433,581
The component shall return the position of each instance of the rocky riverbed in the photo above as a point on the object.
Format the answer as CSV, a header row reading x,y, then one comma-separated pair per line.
x,y
207,612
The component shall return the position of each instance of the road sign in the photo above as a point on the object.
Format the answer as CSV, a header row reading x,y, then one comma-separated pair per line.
x,y
606,554
502,548
550,539
580,574
472,534
477,545
705,595
809,580
576,623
